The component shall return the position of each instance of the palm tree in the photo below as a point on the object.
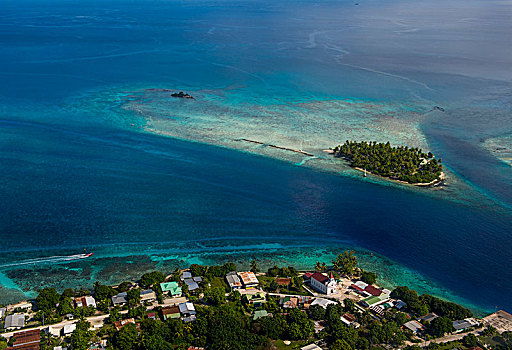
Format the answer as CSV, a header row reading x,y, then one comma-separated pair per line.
x,y
254,266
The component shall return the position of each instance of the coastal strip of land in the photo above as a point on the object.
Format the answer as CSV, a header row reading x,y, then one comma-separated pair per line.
x,y
219,307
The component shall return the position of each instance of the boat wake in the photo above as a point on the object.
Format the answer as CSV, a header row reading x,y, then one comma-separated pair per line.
x,y
48,260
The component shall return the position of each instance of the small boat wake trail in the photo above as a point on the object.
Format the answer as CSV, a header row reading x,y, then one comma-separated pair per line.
x,y
57,259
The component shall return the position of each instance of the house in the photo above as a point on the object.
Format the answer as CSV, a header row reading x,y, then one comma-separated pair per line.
x,y
257,299
373,290
172,287
15,321
359,287
323,284
24,305
198,279
68,329
349,320
120,299
171,312
248,279
374,300
283,281
2,312
54,331
85,301
187,309
147,296
152,315
289,302
190,318
186,274
318,326
122,323
307,276
260,314
194,348
311,347
428,318
466,323
305,301
191,284
233,280
399,304
323,302
28,340
414,326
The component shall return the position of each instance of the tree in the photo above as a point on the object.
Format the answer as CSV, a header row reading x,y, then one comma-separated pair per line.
x,y
124,287
126,338
348,305
340,344
368,277
470,340
133,297
440,326
103,292
114,315
67,293
65,307
299,326
321,267
273,271
346,262
316,312
47,299
198,270
215,296
81,336
151,278
254,266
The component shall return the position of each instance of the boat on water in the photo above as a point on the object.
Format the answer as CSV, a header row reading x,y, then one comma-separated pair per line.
x,y
83,256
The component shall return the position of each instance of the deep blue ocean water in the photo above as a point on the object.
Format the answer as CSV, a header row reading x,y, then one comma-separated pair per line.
x,y
74,175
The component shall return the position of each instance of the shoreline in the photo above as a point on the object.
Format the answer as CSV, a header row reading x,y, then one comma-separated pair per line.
x,y
432,183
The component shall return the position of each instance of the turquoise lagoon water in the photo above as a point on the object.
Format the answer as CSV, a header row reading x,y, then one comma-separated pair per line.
x,y
91,158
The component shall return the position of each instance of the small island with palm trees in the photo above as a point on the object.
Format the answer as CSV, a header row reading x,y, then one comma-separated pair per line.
x,y
403,164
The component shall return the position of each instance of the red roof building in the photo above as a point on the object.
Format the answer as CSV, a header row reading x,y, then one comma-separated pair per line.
x,y
28,340
283,281
320,277
373,291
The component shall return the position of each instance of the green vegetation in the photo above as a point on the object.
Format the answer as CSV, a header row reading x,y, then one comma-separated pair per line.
x,y
226,320
402,163
421,305
346,262
368,277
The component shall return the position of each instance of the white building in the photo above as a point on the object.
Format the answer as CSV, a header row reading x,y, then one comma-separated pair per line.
x,y
68,329
85,301
15,321
323,302
323,284
249,279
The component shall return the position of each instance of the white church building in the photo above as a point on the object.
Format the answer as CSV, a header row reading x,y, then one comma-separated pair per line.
x,y
324,284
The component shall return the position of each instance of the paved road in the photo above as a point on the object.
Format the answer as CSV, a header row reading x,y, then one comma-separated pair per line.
x,y
446,338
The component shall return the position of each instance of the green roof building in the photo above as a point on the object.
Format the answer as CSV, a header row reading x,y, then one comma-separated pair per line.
x,y
260,314
172,287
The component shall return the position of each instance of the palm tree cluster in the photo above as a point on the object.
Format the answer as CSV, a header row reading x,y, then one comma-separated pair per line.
x,y
400,163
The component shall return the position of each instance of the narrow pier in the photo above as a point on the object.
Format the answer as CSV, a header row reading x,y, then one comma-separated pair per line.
x,y
278,147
